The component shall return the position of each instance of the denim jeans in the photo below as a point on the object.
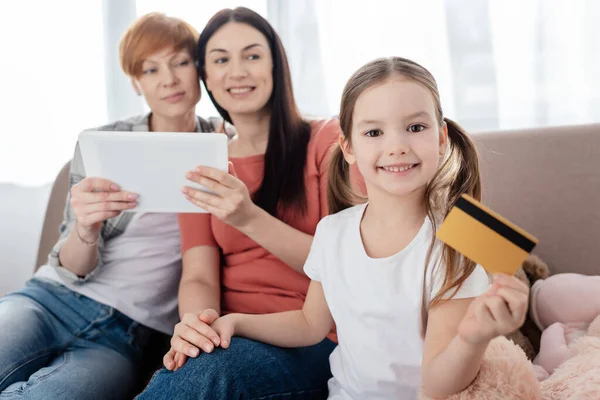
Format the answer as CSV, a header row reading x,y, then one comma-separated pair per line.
x,y
247,370
58,344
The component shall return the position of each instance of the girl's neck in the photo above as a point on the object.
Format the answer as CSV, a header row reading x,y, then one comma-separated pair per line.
x,y
390,211
390,223
252,134
182,123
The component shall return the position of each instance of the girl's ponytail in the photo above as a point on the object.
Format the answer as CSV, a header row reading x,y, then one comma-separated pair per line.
x,y
339,189
465,163
458,175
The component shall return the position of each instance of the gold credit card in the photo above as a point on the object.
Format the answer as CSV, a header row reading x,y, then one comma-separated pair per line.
x,y
485,237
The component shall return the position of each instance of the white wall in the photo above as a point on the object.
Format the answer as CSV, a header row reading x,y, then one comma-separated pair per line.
x,y
22,211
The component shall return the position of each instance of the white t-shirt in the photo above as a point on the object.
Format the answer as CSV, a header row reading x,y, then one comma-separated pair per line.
x,y
144,284
376,306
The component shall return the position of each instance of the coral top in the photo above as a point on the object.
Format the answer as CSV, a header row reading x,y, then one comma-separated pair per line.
x,y
253,280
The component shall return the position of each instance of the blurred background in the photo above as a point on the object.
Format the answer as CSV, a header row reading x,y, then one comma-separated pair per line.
x,y
500,64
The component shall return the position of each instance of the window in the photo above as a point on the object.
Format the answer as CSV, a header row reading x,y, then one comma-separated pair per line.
x,y
500,64
52,70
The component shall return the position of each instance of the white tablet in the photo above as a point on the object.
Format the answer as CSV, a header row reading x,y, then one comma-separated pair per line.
x,y
152,164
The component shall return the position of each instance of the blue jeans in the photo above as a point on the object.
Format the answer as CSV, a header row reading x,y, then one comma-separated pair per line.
x,y
247,370
58,344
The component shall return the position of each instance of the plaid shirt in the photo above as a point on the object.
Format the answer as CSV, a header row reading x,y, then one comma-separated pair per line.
x,y
112,227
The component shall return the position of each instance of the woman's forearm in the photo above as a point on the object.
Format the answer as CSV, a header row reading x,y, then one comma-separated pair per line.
x,y
196,296
77,256
286,243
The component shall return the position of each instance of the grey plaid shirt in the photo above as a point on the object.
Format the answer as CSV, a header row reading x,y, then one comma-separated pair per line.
x,y
114,226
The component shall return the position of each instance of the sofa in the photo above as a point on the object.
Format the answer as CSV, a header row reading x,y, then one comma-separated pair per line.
x,y
546,180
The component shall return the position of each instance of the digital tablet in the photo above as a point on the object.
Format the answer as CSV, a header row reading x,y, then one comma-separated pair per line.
x,y
152,164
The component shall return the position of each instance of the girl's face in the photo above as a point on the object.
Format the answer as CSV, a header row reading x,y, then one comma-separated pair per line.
x,y
396,140
239,69
169,83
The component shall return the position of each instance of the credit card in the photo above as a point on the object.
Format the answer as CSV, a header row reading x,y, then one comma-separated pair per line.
x,y
485,237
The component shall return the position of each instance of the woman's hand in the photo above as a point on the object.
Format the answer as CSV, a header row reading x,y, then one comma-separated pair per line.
x,y
192,334
95,200
230,200
499,311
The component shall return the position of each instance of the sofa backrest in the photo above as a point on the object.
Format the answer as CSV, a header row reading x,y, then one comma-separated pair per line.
x,y
54,215
547,181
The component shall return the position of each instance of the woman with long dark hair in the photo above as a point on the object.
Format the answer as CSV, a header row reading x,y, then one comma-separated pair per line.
x,y
260,226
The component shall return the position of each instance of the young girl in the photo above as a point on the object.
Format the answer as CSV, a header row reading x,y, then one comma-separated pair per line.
x,y
399,298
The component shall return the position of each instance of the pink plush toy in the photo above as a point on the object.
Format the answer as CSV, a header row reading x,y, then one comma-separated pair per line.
x,y
562,306
578,378
505,374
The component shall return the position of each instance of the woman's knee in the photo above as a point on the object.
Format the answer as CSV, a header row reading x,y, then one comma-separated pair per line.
x,y
221,365
27,342
219,374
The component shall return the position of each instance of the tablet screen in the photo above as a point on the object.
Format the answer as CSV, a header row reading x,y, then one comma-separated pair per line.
x,y
152,164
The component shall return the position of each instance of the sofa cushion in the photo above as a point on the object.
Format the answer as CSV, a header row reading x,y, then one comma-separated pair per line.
x,y
547,180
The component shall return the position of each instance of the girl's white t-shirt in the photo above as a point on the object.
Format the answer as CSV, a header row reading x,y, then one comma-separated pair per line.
x,y
376,306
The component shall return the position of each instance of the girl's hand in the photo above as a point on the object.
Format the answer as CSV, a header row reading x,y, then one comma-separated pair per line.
x,y
501,310
176,360
230,200
95,200
225,327
191,334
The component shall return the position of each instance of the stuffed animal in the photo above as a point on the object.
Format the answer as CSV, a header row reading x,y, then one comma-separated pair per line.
x,y
577,378
528,336
505,374
563,307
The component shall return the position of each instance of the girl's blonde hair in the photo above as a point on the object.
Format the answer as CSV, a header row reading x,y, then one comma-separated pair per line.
x,y
457,175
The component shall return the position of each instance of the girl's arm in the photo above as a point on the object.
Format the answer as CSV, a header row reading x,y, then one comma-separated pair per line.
x,y
300,328
450,363
460,330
